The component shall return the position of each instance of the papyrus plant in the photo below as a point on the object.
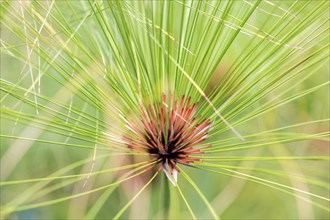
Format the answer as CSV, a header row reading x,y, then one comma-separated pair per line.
x,y
164,109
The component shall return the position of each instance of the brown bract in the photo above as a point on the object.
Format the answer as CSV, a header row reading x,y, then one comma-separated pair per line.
x,y
168,131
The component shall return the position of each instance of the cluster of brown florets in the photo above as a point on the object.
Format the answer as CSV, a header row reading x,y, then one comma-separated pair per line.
x,y
168,131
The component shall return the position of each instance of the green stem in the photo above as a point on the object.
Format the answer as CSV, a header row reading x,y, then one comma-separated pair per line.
x,y
166,198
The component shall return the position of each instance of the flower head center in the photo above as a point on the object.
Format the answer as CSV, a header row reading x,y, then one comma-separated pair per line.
x,y
171,133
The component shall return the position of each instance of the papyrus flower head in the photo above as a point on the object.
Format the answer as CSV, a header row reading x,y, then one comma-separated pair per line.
x,y
169,132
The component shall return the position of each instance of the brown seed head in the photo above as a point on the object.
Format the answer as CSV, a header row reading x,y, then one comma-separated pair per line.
x,y
168,133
